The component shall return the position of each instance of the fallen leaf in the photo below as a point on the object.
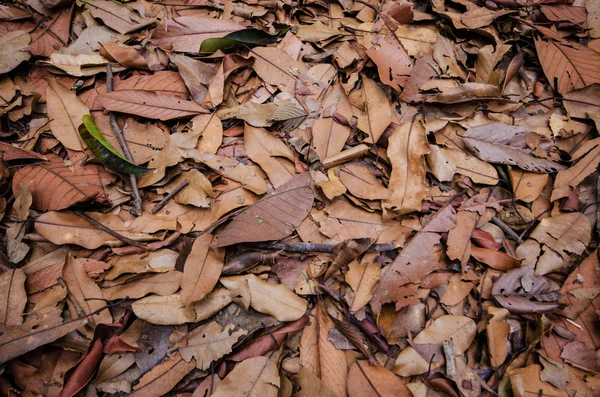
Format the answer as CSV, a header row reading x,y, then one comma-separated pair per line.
x,y
209,342
446,162
150,105
506,146
201,270
65,111
163,377
362,278
406,149
161,284
276,67
274,217
254,377
520,291
14,297
54,185
196,74
198,192
118,17
186,33
377,115
329,135
163,310
362,183
320,356
373,381
588,157
268,151
393,63
14,50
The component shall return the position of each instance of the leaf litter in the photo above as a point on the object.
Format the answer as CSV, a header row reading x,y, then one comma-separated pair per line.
x,y
353,198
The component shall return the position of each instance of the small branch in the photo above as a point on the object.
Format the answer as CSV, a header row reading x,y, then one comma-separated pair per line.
x,y
310,247
137,200
105,229
506,229
173,193
450,363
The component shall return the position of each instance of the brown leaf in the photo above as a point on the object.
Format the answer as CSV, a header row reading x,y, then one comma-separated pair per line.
x,y
164,310
459,237
65,111
446,162
186,33
377,115
581,356
467,92
362,278
84,371
55,186
505,144
163,377
85,291
162,82
320,356
274,217
406,149
520,291
118,17
526,381
374,381
13,297
201,270
161,284
209,343
254,377
330,136
393,63
361,182
149,105
196,74
14,50
494,259
497,333
276,67
588,156
571,65
271,153
563,12
47,327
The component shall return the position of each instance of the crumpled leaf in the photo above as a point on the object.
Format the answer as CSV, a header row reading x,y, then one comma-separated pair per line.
x,y
521,291
209,342
79,65
274,217
505,144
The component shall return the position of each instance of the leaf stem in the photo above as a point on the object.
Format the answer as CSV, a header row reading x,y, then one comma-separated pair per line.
x,y
137,200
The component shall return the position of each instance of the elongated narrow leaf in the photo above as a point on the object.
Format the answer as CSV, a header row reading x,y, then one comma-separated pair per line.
x,y
150,105
104,151
245,36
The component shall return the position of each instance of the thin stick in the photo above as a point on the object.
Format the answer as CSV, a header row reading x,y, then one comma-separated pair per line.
x,y
506,229
173,193
137,200
105,229
310,247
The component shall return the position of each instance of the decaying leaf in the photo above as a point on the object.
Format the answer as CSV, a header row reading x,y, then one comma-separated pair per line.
x,y
521,291
209,343
14,50
254,377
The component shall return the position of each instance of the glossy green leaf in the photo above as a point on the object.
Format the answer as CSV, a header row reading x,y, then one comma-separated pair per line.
x,y
104,151
244,36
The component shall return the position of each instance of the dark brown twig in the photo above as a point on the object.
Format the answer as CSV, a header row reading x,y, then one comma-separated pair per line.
x,y
506,229
105,229
137,200
310,247
173,193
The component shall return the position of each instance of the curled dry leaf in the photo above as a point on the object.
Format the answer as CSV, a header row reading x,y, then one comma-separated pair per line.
x,y
274,217
521,291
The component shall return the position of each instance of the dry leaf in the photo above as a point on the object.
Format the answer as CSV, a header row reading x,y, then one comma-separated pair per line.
x,y
163,310
79,65
118,17
150,105
377,115
14,297
276,67
254,377
373,381
163,377
446,162
201,270
362,183
505,144
320,356
393,63
520,291
65,111
274,217
209,343
268,151
186,33
161,284
362,278
14,48
329,135
198,192
56,185
406,149
588,156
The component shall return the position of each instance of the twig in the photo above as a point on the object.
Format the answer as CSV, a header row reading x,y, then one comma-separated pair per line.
x,y
450,363
506,229
137,200
173,193
310,247
105,229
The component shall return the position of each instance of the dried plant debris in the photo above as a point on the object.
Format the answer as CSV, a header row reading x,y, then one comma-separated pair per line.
x,y
322,198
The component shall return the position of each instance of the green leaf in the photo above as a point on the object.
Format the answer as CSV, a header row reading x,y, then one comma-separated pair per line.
x,y
244,36
104,151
